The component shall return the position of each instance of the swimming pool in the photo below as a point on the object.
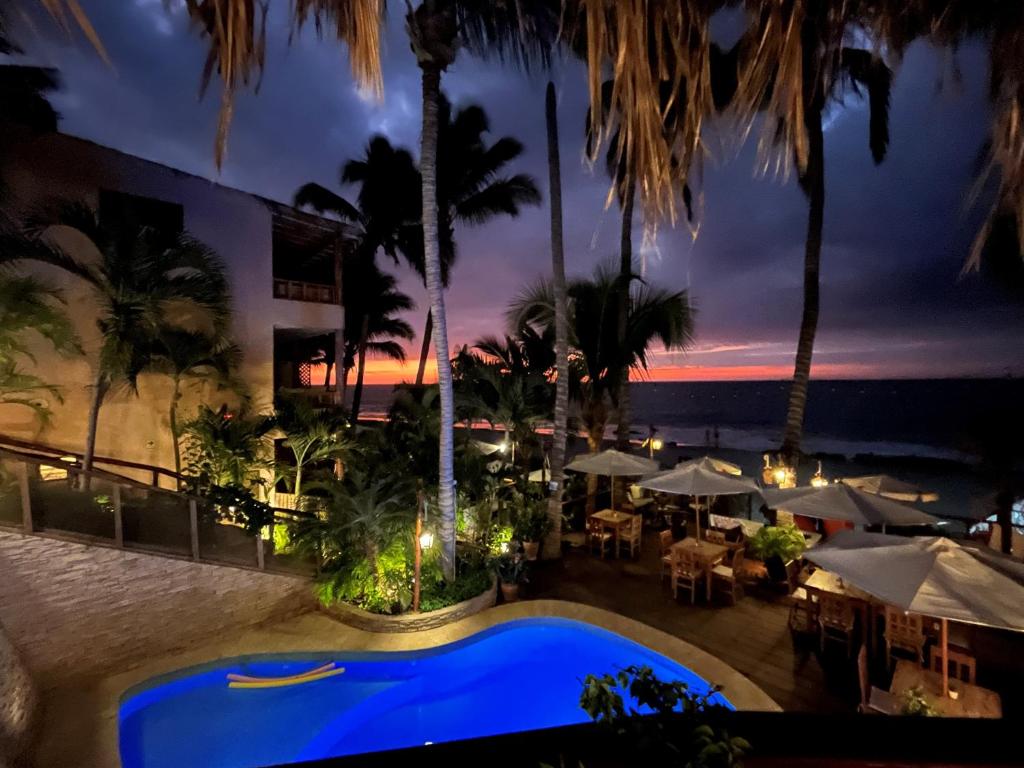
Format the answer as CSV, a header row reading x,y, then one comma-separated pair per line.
x,y
516,676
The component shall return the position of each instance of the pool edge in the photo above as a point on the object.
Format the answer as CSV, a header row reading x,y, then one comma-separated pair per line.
x,y
317,632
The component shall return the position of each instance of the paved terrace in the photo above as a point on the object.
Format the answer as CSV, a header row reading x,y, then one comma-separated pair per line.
x,y
753,636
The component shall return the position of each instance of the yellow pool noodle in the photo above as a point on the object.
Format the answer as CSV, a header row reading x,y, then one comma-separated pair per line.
x,y
282,682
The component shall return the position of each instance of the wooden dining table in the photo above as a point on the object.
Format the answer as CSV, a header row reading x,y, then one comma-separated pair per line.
x,y
707,553
826,582
614,521
970,701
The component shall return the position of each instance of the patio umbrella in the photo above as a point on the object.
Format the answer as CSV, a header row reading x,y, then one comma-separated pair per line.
x,y
699,478
487,449
715,465
932,576
612,463
890,488
846,503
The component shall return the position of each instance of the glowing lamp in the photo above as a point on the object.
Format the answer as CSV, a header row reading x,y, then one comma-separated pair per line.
x,y
426,540
503,446
657,444
69,459
819,480
779,475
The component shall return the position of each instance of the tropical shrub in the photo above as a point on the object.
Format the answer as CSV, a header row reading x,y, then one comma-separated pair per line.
x,y
915,704
785,541
533,524
227,448
653,718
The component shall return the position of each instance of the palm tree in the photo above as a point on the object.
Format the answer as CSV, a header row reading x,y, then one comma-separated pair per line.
x,y
29,306
183,354
312,434
520,31
597,360
470,190
145,283
371,310
561,323
808,67
227,447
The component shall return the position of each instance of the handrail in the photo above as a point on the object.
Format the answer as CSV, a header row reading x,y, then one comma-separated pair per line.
x,y
57,453
119,483
301,290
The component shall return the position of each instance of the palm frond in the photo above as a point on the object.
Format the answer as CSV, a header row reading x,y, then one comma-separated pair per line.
x,y
869,70
322,200
501,196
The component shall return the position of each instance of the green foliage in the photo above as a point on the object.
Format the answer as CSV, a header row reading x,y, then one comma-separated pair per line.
x,y
511,568
30,307
651,722
915,704
785,541
226,448
313,434
237,505
533,524
468,584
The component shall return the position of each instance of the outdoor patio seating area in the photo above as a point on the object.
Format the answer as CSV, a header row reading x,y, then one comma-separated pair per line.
x,y
846,621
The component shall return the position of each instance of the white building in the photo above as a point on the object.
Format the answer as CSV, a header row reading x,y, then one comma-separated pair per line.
x,y
282,270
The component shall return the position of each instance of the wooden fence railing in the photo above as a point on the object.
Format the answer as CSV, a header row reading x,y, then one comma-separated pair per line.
x,y
296,290
45,495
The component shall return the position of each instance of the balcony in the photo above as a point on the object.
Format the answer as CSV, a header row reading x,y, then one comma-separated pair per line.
x,y
298,290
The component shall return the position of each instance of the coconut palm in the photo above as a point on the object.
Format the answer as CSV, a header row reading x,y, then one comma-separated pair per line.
x,y
371,311
184,355
144,283
437,29
470,190
598,358
561,327
808,68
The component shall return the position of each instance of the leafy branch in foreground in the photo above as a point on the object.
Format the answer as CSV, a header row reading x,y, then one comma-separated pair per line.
x,y
657,715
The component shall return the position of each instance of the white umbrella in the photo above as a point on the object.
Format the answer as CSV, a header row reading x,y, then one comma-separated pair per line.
x,y
698,478
612,463
891,488
488,449
931,576
844,502
715,465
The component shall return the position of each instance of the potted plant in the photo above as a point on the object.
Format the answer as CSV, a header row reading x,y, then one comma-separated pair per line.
x,y
511,568
779,543
531,527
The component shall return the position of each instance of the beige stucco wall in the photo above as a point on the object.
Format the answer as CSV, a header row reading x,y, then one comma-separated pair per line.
x,y
238,226
77,611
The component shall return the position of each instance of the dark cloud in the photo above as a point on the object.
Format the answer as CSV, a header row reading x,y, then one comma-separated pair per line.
x,y
896,234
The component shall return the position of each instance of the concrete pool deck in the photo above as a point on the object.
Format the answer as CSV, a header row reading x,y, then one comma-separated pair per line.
x,y
80,724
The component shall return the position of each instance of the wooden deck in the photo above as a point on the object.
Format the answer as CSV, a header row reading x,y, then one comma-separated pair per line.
x,y
753,636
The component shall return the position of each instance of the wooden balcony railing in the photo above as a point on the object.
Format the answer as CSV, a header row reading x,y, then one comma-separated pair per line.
x,y
297,290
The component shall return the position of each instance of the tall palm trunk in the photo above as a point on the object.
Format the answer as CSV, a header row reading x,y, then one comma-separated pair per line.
x,y
339,335
99,392
815,181
172,418
435,291
625,273
553,545
428,330
357,393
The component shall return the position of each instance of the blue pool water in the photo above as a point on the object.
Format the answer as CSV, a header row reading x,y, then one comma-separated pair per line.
x,y
517,676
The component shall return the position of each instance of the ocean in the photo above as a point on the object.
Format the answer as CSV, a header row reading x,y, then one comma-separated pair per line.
x,y
937,418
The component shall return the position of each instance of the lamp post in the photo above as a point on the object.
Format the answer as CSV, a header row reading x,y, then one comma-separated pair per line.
x,y
421,540
819,480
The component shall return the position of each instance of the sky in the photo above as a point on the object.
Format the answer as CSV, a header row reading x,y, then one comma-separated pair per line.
x,y
893,302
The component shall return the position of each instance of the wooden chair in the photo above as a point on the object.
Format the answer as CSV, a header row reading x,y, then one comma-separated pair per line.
x,y
597,535
962,666
803,612
836,620
631,535
905,632
715,537
665,547
688,570
728,576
